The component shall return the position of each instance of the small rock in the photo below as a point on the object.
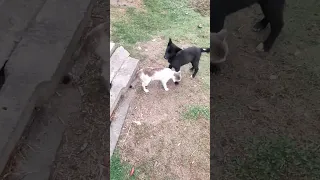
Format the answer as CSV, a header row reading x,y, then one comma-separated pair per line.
x,y
146,50
260,47
273,77
153,40
253,108
187,13
297,53
80,91
200,26
83,147
139,47
137,122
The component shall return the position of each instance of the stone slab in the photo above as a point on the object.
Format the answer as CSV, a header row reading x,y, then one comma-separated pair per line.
x,y
116,61
119,118
122,81
15,16
112,48
37,64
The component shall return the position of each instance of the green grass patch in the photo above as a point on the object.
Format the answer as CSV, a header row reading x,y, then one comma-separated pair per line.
x,y
120,170
195,112
166,17
277,159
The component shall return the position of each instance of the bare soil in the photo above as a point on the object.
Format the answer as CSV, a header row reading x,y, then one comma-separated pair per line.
x,y
155,138
266,94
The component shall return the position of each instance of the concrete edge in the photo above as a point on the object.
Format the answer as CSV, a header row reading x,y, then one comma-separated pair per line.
x,y
120,116
121,90
44,90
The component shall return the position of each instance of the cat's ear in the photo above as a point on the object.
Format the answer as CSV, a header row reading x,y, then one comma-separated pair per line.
x,y
222,35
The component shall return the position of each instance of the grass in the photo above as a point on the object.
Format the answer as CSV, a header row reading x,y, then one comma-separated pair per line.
x,y
120,170
174,19
194,112
276,159
164,17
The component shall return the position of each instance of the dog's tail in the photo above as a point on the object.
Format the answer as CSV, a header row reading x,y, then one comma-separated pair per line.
x,y
207,50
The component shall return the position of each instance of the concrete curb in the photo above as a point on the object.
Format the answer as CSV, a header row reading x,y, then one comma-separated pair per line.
x,y
122,80
15,17
120,115
37,64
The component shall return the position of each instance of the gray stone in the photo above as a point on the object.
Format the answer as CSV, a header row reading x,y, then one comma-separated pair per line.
x,y
112,48
15,16
116,61
119,117
122,80
37,64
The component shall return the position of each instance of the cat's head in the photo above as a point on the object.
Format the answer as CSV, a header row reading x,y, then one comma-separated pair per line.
x,y
176,76
218,46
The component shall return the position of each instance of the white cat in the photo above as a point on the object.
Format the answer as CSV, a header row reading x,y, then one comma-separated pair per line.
x,y
147,75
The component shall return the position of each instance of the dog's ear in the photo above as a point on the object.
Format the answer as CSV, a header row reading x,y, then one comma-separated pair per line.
x,y
222,35
170,42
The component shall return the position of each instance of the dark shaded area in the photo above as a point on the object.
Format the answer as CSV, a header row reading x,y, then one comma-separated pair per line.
x,y
259,99
2,75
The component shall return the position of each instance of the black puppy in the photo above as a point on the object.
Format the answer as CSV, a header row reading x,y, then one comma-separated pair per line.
x,y
272,10
178,57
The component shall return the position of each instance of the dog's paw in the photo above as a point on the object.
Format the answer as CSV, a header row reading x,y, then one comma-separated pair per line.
x,y
146,90
166,89
176,83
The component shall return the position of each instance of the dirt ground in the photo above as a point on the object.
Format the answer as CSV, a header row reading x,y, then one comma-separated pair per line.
x,y
265,95
155,138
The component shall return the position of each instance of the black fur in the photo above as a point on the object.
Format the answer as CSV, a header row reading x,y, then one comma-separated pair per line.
x,y
272,10
178,57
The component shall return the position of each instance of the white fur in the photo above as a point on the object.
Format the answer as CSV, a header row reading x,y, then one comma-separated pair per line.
x,y
163,75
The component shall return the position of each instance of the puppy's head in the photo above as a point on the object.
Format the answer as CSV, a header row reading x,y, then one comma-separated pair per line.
x,y
171,50
218,47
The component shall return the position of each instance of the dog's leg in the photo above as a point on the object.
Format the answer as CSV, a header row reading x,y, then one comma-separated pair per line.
x,y
177,70
276,22
259,26
195,66
170,66
195,72
164,84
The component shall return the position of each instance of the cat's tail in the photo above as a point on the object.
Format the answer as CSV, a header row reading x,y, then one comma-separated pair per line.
x,y
207,50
